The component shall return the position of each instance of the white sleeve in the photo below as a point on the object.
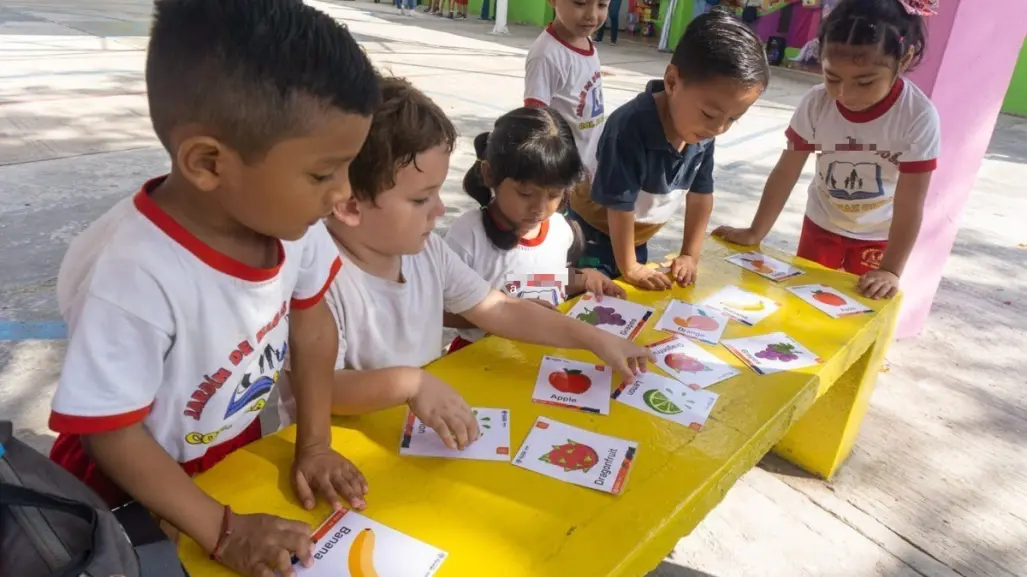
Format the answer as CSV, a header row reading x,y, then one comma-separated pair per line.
x,y
463,288
320,263
333,298
924,143
541,79
801,130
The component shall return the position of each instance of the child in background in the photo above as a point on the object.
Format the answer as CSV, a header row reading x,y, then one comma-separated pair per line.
x,y
401,276
661,144
460,7
562,71
183,301
518,241
877,140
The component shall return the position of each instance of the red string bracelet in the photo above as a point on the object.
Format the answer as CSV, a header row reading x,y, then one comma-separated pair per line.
x,y
226,531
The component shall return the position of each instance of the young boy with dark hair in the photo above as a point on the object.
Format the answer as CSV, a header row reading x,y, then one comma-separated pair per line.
x,y
183,301
660,145
401,277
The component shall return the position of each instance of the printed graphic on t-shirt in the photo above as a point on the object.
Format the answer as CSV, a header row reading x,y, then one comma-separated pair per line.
x,y
591,110
854,181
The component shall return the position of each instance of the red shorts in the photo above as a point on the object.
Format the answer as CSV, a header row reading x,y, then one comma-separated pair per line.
x,y
68,452
839,252
457,344
460,2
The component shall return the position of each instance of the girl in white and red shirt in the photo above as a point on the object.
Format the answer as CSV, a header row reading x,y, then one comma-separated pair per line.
x,y
518,241
877,140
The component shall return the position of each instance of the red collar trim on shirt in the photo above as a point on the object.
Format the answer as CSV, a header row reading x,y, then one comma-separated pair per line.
x,y
591,45
540,238
212,258
503,223
876,111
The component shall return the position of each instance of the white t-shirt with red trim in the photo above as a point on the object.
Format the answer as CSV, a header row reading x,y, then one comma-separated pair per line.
x,y
166,331
860,156
536,268
569,80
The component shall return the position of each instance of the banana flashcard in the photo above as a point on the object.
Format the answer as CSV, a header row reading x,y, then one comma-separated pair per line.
x,y
741,305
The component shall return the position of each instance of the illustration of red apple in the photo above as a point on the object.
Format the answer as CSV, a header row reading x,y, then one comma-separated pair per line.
x,y
570,381
684,363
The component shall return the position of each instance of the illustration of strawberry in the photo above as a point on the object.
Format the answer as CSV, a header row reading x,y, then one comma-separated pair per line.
x,y
829,299
684,363
571,456
570,381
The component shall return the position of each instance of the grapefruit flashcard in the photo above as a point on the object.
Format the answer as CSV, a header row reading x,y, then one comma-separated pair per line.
x,y
689,363
577,456
765,266
772,353
613,315
419,440
830,301
741,305
693,321
574,385
668,399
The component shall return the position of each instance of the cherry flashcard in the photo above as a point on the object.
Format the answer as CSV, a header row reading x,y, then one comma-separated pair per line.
x,y
419,440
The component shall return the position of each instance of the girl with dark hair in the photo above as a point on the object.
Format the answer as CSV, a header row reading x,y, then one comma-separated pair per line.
x,y
518,240
877,139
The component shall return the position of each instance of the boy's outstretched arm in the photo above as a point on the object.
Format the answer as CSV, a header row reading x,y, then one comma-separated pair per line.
x,y
910,192
622,237
698,208
778,188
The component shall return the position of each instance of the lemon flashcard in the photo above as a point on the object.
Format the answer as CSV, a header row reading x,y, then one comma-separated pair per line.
x,y
765,266
420,440
830,301
689,363
741,305
668,399
693,321
772,353
577,456
574,385
349,544
613,315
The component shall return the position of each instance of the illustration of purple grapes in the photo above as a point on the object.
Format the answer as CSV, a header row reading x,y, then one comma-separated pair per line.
x,y
778,352
602,316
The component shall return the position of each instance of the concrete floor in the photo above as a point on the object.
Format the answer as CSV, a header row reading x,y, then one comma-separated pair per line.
x,y
937,484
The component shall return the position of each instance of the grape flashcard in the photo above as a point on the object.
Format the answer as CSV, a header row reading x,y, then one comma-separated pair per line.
x,y
667,399
690,363
743,306
613,315
420,440
577,456
830,301
574,385
351,545
765,266
773,353
695,322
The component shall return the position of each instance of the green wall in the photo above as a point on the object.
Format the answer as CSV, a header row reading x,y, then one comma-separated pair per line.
x,y
1016,96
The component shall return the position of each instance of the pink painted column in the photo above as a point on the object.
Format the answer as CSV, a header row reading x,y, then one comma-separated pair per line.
x,y
972,49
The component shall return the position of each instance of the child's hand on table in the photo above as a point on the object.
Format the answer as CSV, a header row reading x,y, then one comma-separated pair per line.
x,y
646,278
260,545
626,357
321,469
684,269
599,284
879,284
742,236
445,411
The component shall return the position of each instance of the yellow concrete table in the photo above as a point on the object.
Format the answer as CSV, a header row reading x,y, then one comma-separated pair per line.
x,y
499,520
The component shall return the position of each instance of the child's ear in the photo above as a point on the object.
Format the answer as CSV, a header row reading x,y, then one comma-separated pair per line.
x,y
205,162
904,63
670,78
347,212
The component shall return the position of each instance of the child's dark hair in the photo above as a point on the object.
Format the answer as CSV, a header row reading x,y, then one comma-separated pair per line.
x,y
252,71
530,144
406,124
883,23
719,45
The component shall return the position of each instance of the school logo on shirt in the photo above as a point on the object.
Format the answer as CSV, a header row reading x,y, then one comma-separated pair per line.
x,y
256,384
591,98
854,181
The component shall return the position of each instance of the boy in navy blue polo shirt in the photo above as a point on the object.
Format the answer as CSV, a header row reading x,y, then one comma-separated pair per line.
x,y
660,145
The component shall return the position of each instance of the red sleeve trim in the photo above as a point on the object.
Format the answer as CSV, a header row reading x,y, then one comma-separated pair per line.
x,y
918,166
534,103
78,425
300,304
798,143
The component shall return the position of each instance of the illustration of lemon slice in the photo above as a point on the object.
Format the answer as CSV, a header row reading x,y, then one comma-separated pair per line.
x,y
659,402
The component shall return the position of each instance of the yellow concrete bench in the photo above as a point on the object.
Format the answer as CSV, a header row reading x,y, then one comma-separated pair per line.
x,y
498,520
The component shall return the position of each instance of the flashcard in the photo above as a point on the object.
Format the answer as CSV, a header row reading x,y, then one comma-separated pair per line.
x,y
351,545
773,353
613,315
691,364
693,321
743,306
668,399
830,301
574,385
420,440
577,456
765,266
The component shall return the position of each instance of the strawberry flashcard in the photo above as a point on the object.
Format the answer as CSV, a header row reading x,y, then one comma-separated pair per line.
x,y
765,266
689,363
577,456
830,301
773,353
349,544
667,399
574,385
613,315
695,322
419,440
743,306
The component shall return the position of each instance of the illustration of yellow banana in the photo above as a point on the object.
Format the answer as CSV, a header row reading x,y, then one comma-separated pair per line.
x,y
361,555
746,306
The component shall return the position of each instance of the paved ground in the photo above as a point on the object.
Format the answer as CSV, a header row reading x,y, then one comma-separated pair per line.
x,y
937,485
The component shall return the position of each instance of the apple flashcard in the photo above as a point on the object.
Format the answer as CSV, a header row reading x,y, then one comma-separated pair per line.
x,y
830,301
743,306
689,363
695,322
419,440
765,266
613,315
351,545
574,385
773,353
667,399
577,456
